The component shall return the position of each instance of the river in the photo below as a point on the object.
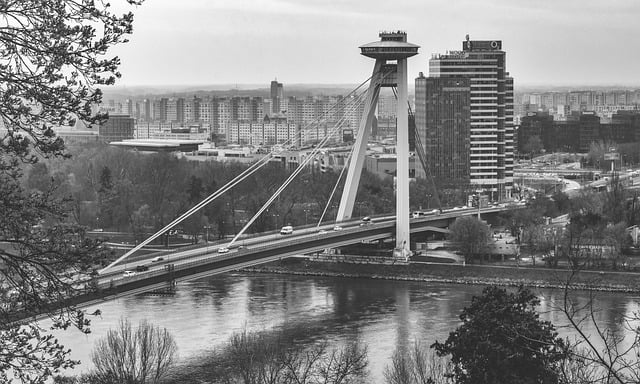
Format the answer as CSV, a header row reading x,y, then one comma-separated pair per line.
x,y
385,315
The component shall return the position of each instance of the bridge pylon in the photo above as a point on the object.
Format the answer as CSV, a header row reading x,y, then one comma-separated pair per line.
x,y
392,47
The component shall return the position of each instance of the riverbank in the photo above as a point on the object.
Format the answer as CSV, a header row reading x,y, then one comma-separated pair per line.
x,y
626,282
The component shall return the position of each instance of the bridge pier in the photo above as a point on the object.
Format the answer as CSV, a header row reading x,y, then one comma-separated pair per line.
x,y
393,46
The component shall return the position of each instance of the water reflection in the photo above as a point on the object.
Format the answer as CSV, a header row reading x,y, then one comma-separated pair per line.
x,y
385,314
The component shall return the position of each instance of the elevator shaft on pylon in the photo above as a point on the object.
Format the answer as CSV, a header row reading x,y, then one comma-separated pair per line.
x,y
392,47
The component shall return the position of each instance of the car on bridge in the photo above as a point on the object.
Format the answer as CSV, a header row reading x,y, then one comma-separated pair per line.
x,y
286,230
129,273
337,228
142,268
156,259
223,250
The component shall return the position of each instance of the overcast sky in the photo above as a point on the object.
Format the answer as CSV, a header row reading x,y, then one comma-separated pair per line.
x,y
548,42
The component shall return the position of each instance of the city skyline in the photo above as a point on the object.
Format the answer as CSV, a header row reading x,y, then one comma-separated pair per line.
x,y
222,42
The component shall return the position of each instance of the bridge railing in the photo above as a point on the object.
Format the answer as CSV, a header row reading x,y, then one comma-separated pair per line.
x,y
210,254
214,256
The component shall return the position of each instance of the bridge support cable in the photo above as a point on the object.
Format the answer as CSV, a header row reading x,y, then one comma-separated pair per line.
x,y
335,187
348,165
420,151
422,156
249,171
297,171
354,104
364,130
242,176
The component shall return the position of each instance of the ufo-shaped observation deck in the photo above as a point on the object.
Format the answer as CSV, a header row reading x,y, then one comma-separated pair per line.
x,y
392,46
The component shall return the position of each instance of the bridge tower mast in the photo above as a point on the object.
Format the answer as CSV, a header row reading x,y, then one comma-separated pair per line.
x,y
393,46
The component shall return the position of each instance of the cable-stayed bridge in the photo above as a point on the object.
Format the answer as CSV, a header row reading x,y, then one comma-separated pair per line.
x,y
390,54
169,268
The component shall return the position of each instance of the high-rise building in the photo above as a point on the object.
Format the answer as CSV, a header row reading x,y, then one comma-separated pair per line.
x,y
162,110
192,109
277,94
172,110
443,122
223,114
483,63
387,104
244,108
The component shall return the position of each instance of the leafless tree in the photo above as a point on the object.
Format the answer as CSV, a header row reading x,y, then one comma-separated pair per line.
x,y
602,353
53,56
418,365
134,356
342,365
259,358
578,370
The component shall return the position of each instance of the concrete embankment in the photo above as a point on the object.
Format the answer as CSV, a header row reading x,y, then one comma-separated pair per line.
x,y
470,274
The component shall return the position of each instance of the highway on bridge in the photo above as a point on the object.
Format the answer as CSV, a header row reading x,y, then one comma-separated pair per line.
x,y
194,263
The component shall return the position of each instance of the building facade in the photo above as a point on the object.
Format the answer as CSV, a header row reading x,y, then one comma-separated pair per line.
x,y
491,130
578,131
117,128
277,95
315,116
267,132
443,122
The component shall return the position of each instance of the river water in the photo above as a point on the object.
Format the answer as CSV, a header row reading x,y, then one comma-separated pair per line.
x,y
385,315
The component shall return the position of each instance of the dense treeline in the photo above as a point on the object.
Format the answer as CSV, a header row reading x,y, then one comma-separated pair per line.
x,y
595,235
139,193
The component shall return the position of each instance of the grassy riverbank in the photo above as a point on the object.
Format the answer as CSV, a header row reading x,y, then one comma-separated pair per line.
x,y
458,274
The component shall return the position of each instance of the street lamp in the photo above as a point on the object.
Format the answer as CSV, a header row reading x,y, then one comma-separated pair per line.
x,y
206,239
476,200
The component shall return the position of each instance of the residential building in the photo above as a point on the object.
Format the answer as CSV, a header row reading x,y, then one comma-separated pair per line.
x,y
262,133
277,95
